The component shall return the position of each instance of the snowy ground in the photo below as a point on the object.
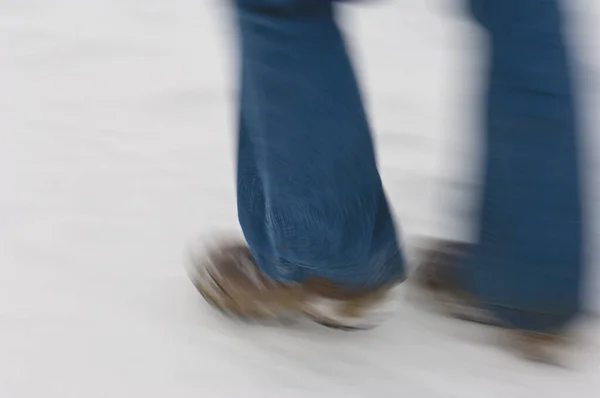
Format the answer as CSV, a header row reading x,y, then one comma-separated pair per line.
x,y
116,152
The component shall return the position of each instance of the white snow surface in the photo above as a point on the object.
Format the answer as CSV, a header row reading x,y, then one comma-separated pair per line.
x,y
116,154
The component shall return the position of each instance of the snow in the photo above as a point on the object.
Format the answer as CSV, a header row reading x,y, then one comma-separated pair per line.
x,y
116,155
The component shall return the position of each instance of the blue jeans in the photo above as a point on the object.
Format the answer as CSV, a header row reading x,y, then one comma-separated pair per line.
x,y
310,199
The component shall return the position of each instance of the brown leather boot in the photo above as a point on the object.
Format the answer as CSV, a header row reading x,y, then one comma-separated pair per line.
x,y
229,279
440,276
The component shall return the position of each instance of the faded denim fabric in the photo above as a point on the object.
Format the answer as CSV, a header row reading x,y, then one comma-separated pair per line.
x,y
310,200
528,264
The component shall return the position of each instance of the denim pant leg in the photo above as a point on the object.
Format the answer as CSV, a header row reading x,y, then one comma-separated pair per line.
x,y
310,199
528,264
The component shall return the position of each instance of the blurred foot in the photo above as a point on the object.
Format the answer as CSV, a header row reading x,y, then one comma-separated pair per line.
x,y
441,275
229,279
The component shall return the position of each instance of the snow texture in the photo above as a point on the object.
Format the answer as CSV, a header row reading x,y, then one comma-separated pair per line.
x,y
118,122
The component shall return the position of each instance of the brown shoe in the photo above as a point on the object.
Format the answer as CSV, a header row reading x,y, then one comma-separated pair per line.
x,y
229,279
440,275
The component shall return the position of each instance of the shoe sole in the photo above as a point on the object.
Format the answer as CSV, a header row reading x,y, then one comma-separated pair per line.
x,y
247,318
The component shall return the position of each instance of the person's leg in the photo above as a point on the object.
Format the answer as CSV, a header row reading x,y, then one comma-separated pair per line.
x,y
527,265
310,200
